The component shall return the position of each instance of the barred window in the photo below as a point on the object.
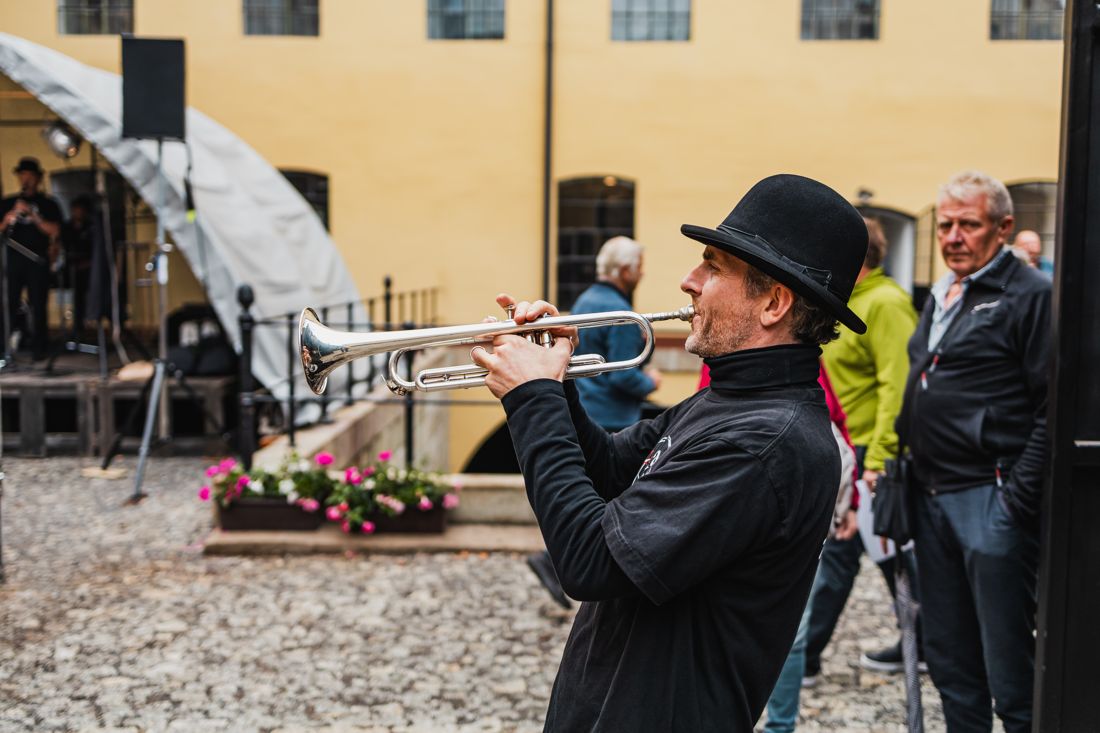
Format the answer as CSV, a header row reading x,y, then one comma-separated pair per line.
x,y
650,20
590,212
466,19
1031,20
281,18
95,17
824,20
314,189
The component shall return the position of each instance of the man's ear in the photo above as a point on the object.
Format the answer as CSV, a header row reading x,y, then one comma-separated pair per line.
x,y
1004,229
778,302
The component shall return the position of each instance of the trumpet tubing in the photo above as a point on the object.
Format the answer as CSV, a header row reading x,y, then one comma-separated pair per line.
x,y
324,349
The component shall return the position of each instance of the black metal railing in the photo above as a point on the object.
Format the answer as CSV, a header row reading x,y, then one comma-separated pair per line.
x,y
407,309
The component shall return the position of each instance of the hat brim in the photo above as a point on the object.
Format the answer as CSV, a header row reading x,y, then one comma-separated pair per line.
x,y
751,251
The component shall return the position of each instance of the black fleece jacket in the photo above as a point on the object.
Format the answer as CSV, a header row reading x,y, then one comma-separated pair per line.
x,y
694,536
975,407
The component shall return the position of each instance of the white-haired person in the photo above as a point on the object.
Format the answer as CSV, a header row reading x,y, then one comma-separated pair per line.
x,y
613,400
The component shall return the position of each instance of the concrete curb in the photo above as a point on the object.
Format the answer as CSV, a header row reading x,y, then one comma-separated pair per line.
x,y
330,540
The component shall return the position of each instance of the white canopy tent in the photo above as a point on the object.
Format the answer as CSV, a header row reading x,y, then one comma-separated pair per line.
x,y
252,226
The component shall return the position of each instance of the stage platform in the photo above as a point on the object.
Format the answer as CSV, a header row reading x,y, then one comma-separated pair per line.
x,y
66,407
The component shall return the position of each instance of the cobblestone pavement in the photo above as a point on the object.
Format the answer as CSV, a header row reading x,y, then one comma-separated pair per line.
x,y
112,618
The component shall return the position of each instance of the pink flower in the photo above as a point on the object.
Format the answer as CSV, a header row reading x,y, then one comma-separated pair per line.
x,y
457,486
367,527
368,471
212,471
450,501
323,459
204,493
352,476
242,482
425,504
333,514
227,465
309,505
385,455
345,526
342,506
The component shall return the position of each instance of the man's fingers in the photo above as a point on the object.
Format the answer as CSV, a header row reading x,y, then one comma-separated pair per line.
x,y
482,357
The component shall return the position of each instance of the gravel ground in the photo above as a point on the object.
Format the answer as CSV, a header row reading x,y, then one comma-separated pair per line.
x,y
112,618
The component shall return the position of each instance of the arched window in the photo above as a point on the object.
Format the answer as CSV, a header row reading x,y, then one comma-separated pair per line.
x,y
900,230
590,212
1035,206
314,189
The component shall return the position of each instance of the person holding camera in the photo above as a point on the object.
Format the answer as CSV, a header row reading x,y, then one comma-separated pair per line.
x,y
30,222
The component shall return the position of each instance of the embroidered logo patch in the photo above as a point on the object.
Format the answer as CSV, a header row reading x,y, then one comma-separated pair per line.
x,y
664,445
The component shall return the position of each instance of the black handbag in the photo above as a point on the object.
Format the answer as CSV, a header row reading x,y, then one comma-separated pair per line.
x,y
893,503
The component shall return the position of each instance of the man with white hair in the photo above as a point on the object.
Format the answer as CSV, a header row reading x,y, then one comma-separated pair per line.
x,y
613,399
974,418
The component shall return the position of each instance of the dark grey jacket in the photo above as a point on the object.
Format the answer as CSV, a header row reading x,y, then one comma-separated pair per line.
x,y
975,408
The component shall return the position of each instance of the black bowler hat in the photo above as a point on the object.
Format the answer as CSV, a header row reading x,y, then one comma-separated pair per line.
x,y
29,164
802,233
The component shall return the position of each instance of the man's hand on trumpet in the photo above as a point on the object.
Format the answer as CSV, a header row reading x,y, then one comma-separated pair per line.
x,y
515,360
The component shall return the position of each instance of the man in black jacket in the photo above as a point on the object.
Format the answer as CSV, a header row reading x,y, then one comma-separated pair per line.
x,y
693,537
974,418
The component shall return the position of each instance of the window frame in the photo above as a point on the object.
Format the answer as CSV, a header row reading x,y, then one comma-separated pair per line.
x,y
815,16
107,13
1024,23
669,23
294,18
306,182
479,20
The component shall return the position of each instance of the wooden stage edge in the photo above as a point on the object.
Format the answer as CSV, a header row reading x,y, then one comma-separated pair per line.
x,y
330,540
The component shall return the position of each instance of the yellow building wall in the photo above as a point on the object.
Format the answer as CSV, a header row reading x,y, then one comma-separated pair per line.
x,y
434,148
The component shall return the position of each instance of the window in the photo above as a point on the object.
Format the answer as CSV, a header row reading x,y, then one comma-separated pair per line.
x,y
314,189
95,17
824,20
465,18
590,212
280,17
1035,207
1032,20
650,20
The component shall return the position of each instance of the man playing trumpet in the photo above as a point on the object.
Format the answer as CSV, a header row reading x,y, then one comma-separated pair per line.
x,y
693,537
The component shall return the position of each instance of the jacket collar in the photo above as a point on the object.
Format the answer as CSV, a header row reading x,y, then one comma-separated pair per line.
x,y
998,272
614,287
773,366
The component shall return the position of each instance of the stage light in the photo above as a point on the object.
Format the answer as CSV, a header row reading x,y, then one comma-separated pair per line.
x,y
62,140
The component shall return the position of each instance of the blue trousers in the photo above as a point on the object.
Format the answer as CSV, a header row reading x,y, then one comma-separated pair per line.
x,y
978,574
783,704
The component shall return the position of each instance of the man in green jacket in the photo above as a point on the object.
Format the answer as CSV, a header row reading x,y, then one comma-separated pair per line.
x,y
868,372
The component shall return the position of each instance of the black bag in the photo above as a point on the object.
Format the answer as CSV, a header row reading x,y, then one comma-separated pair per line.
x,y
893,503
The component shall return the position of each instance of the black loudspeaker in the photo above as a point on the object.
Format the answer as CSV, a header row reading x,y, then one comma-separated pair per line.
x,y
152,88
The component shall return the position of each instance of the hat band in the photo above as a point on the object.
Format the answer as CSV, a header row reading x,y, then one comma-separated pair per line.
x,y
824,278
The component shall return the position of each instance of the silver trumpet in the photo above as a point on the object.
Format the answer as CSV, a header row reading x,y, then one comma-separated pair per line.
x,y
324,349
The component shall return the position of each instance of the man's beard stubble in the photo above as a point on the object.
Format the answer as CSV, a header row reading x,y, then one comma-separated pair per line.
x,y
716,339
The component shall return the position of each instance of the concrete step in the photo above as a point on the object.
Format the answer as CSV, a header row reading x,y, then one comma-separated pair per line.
x,y
491,498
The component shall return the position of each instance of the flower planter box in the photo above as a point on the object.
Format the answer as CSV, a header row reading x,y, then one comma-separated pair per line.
x,y
412,520
267,513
